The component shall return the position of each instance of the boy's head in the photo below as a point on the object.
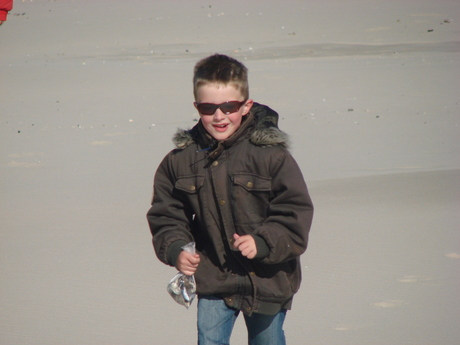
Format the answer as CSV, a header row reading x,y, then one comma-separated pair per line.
x,y
221,69
220,86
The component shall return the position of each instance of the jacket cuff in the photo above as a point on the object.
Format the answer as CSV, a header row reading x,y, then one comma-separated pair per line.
x,y
262,247
174,251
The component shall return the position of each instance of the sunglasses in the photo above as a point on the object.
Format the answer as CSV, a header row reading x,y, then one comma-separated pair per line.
x,y
227,107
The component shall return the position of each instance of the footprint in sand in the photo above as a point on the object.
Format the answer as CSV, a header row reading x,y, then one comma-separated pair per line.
x,y
24,164
349,326
343,327
16,164
413,279
25,154
101,143
388,304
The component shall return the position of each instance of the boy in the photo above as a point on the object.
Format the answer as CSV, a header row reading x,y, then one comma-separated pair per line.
x,y
232,187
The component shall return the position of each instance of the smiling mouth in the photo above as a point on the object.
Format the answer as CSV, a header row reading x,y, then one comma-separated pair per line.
x,y
221,126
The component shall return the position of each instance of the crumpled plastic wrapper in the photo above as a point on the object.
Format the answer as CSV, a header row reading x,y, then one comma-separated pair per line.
x,y
181,287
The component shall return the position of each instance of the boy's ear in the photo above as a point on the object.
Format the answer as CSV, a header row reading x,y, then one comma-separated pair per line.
x,y
247,106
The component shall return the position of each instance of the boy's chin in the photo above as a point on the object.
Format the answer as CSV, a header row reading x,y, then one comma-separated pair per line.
x,y
220,137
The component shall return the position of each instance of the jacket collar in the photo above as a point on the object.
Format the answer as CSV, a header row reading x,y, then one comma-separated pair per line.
x,y
260,125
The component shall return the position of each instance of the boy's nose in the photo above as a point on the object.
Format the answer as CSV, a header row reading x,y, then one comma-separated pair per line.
x,y
219,115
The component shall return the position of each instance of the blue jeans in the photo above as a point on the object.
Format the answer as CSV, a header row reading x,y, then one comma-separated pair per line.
x,y
216,320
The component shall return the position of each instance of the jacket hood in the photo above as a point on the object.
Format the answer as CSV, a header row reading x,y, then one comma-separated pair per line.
x,y
265,131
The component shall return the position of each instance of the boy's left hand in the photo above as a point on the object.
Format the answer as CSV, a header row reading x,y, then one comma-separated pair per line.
x,y
246,245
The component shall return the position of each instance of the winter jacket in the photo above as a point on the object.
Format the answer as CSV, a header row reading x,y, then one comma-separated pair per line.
x,y
205,191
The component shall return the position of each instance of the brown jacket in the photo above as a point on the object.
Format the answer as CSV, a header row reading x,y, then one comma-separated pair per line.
x,y
205,191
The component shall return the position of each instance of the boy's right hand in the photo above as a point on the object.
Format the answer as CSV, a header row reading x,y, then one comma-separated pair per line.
x,y
187,263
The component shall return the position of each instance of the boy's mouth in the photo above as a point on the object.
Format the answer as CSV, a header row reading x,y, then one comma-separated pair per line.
x,y
221,127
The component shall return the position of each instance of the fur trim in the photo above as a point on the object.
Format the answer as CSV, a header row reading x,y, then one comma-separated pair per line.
x,y
182,139
265,137
268,137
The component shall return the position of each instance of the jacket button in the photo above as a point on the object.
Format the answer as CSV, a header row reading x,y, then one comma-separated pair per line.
x,y
250,184
222,202
215,163
192,187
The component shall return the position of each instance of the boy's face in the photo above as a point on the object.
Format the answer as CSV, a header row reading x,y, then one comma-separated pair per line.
x,y
220,125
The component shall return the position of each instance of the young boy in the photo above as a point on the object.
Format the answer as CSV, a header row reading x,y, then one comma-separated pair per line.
x,y
232,187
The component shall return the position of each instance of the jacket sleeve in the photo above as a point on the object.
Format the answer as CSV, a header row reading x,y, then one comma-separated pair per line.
x,y
169,217
290,213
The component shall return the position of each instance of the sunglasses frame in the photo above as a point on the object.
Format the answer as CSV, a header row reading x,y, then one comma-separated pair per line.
x,y
219,106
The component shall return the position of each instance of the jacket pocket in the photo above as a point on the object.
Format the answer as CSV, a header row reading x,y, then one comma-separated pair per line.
x,y
277,282
187,189
189,184
251,198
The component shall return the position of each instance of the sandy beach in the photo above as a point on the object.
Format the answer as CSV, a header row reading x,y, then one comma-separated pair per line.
x,y
91,93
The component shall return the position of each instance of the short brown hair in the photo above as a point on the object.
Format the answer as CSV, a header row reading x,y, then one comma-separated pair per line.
x,y
221,69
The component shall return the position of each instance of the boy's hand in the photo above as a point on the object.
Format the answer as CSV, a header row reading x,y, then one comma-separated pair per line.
x,y
187,263
246,245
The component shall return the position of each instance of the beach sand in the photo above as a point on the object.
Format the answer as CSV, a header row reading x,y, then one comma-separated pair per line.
x,y
91,93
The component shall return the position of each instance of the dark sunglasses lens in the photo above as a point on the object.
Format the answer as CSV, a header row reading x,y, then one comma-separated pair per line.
x,y
227,108
230,107
207,108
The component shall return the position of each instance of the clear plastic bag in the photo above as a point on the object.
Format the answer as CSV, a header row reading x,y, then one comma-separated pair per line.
x,y
181,287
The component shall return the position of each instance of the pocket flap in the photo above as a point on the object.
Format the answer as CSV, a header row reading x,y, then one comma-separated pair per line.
x,y
189,184
252,182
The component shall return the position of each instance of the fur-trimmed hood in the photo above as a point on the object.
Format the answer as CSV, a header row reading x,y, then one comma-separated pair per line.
x,y
264,131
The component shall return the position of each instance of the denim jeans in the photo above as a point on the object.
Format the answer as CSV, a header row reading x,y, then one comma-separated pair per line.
x,y
216,321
